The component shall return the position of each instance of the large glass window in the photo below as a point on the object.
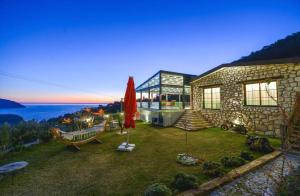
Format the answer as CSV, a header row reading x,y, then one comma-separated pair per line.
x,y
171,98
145,99
170,79
186,97
154,98
261,94
138,99
212,98
154,81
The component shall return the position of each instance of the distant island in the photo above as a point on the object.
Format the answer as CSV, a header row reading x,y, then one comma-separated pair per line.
x,y
7,104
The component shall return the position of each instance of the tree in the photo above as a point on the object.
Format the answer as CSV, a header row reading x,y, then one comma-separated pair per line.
x,y
4,136
120,118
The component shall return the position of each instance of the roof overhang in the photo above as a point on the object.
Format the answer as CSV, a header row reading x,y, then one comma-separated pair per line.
x,y
249,63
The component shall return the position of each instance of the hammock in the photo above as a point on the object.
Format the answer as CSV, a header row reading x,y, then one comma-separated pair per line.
x,y
78,138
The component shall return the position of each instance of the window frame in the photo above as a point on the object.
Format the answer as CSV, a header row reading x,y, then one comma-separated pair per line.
x,y
260,98
211,97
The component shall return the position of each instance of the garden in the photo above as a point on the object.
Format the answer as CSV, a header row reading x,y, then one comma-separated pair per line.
x,y
151,168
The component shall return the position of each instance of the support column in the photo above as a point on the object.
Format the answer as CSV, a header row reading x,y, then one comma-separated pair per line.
x,y
148,98
141,99
160,92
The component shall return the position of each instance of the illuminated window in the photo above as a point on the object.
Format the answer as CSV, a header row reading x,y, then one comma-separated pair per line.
x,y
171,79
261,94
212,98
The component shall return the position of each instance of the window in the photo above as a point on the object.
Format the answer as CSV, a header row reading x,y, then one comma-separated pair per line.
x,y
262,93
212,98
170,79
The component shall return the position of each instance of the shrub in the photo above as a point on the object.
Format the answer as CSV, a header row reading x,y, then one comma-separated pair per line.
x,y
184,182
232,161
259,144
27,131
212,169
4,136
158,189
44,133
240,129
246,155
98,120
251,139
17,139
290,186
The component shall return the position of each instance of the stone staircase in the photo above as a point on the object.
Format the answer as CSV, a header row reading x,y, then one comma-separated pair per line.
x,y
295,140
193,120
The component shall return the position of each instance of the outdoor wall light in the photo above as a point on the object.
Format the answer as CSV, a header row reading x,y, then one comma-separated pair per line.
x,y
237,121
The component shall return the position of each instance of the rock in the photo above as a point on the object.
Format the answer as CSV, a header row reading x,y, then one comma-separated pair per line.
x,y
186,159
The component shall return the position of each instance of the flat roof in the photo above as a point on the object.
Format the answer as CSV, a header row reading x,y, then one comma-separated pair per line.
x,y
240,64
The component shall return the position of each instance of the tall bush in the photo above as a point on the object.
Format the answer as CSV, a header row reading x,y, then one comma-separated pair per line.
x,y
4,136
158,189
184,182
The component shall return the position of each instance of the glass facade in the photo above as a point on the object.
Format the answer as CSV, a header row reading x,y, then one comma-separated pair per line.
x,y
165,91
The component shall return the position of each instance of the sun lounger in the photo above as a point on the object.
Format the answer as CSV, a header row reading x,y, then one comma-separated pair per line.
x,y
78,138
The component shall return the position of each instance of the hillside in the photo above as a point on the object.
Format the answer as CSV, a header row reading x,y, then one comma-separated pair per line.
x,y
6,104
288,47
11,119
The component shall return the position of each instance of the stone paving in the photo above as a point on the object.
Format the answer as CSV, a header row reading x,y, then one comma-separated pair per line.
x,y
262,181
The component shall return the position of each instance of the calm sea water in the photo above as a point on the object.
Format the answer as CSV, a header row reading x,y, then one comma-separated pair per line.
x,y
45,111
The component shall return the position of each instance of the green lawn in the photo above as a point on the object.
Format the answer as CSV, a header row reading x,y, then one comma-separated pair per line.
x,y
98,169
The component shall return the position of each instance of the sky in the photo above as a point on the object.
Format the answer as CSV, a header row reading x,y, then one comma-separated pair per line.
x,y
83,51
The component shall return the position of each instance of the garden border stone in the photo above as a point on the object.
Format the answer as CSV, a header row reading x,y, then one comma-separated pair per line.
x,y
209,186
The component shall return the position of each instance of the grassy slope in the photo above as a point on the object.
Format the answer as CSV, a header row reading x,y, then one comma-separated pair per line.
x,y
100,169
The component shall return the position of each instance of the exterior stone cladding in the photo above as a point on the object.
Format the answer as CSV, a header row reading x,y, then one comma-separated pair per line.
x,y
231,80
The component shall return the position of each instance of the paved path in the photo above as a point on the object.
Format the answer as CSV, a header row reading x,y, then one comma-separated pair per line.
x,y
262,181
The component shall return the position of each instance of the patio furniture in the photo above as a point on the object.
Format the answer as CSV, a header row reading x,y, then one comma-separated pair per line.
x,y
113,125
126,147
13,168
78,138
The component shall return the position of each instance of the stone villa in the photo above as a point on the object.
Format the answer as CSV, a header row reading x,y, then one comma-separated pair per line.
x,y
243,93
248,93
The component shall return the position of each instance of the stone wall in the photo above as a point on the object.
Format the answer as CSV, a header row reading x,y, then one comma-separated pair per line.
x,y
231,82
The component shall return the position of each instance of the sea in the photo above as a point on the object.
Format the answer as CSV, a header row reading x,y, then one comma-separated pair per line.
x,y
40,112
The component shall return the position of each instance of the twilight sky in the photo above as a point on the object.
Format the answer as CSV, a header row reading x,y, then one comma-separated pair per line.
x,y
84,51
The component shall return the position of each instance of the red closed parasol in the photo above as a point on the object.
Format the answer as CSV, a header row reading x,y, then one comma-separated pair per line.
x,y
130,104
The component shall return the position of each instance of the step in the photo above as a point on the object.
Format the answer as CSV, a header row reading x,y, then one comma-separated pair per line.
x,y
192,120
191,125
296,133
295,137
192,128
196,125
295,147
